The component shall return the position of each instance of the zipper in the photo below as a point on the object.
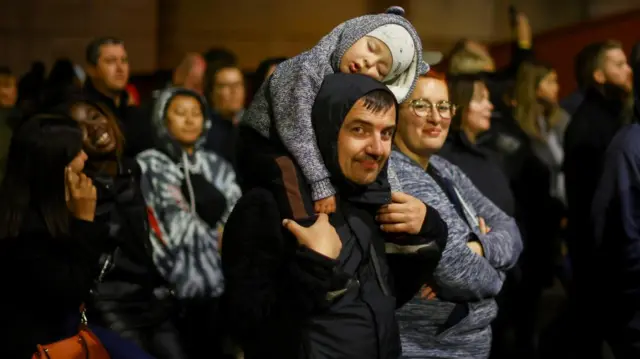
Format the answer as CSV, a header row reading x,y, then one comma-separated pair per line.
x,y
378,271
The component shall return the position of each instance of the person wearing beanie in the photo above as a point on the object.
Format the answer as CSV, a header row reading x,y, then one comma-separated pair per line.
x,y
384,46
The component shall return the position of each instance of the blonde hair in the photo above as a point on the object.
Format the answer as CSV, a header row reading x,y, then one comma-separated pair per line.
x,y
464,60
527,109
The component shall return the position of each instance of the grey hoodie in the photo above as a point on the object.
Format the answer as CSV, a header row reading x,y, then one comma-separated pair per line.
x,y
185,247
289,94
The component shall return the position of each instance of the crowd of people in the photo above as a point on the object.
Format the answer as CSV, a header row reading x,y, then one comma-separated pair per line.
x,y
361,205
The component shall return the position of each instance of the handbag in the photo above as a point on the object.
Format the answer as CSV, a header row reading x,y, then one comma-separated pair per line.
x,y
84,345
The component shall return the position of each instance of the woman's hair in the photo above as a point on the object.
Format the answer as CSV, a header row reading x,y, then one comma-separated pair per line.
x,y
436,75
463,60
39,152
461,90
527,108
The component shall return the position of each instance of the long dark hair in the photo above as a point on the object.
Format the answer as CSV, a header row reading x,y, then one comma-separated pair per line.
x,y
34,178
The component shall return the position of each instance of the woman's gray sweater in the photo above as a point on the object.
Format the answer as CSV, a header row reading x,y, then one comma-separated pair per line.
x,y
461,276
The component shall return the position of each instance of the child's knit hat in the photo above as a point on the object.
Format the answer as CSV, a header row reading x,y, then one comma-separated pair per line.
x,y
401,45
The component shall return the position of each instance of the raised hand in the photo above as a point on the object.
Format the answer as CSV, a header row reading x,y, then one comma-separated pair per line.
x,y
82,195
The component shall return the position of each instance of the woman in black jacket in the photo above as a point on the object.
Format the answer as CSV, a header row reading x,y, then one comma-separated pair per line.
x,y
133,299
49,243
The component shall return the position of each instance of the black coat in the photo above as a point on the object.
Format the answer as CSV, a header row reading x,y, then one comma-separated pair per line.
x,y
45,281
586,140
483,168
615,220
133,298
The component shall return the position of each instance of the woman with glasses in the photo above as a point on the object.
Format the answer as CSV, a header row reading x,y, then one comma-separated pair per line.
x,y
452,314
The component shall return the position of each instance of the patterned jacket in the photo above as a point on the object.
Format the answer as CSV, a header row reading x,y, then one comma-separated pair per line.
x,y
185,247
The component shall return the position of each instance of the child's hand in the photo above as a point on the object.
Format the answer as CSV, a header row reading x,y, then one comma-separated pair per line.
x,y
325,205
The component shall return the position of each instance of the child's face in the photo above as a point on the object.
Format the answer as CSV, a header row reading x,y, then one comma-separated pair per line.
x,y
368,56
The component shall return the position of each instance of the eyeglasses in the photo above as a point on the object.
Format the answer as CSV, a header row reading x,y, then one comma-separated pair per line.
x,y
424,108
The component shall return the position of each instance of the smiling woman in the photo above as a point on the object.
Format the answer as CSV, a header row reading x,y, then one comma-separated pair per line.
x,y
129,278
101,134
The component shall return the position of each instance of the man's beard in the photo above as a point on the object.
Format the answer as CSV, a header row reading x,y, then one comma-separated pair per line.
x,y
616,92
621,96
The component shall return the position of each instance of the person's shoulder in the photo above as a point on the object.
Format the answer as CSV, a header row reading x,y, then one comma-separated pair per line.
x,y
214,159
254,216
258,202
304,66
627,141
150,154
153,158
444,166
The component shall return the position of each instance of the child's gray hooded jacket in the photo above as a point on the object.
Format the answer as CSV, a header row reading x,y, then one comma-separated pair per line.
x,y
286,99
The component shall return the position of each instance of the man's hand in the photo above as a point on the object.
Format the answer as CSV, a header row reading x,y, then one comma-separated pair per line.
x,y
321,237
325,205
404,215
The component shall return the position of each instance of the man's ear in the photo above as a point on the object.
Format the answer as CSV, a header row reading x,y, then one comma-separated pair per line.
x,y
599,77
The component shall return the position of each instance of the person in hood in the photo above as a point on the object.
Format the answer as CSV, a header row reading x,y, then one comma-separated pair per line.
x,y
327,290
385,47
191,192
615,221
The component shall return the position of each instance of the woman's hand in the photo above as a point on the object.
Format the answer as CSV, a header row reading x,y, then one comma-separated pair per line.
x,y
82,195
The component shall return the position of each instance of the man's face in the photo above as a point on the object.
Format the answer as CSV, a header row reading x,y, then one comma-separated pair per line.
x,y
364,142
112,69
228,92
8,91
368,56
615,70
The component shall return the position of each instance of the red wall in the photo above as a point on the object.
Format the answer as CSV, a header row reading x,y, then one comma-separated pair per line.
x,y
559,46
